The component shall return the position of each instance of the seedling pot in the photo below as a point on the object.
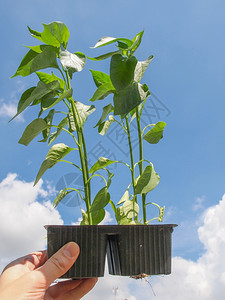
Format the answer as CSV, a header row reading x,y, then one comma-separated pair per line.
x,y
131,250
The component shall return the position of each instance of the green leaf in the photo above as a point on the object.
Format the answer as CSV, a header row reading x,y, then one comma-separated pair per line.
x,y
136,41
23,98
84,111
141,68
105,56
124,198
103,127
147,181
109,180
34,61
55,34
55,134
127,99
109,40
122,71
98,216
155,134
71,122
61,195
48,120
130,209
101,163
54,155
106,110
38,92
47,78
32,130
103,91
143,91
46,104
72,62
100,77
101,200
161,213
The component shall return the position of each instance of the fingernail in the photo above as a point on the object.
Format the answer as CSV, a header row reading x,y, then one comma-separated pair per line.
x,y
70,250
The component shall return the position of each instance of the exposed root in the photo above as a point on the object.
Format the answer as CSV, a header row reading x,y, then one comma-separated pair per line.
x,y
140,276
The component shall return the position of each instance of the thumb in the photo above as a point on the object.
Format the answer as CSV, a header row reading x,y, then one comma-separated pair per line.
x,y
59,263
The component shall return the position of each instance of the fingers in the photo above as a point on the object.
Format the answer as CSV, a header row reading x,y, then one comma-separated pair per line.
x,y
21,266
58,264
81,290
62,287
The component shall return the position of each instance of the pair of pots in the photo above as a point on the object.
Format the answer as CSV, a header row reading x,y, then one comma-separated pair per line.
x,y
131,250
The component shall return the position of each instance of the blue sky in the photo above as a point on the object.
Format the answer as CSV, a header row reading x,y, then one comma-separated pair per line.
x,y
186,76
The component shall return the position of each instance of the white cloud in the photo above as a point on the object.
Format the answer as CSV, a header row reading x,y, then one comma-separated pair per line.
x,y
22,217
203,279
21,229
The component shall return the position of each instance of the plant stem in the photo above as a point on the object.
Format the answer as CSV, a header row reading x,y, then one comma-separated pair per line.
x,y
82,153
140,164
131,160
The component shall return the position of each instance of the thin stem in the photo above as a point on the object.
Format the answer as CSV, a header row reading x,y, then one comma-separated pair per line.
x,y
131,159
141,162
63,77
82,153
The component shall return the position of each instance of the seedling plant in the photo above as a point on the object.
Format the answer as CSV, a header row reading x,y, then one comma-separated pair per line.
x,y
129,99
54,91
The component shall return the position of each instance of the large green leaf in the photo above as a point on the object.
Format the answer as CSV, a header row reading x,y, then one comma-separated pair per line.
x,y
32,130
47,78
72,62
54,155
38,92
141,68
103,91
55,34
122,71
98,216
100,77
147,181
101,200
127,99
155,134
35,61
109,40
101,163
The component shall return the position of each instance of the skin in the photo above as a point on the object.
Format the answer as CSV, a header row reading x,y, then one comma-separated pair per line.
x,y
30,277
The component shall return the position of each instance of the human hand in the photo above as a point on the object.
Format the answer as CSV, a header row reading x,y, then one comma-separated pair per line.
x,y
30,277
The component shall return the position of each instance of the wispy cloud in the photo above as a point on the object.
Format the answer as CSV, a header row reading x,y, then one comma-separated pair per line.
x,y
198,205
8,108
